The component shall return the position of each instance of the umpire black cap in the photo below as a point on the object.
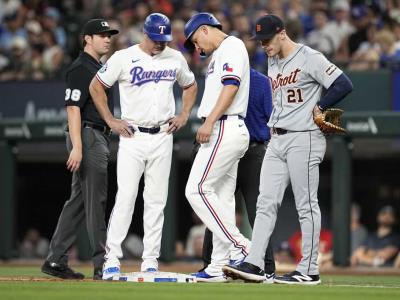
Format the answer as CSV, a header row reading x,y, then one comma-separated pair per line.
x,y
97,26
267,26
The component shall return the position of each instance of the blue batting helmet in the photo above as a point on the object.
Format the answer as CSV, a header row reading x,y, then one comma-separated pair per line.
x,y
158,28
195,22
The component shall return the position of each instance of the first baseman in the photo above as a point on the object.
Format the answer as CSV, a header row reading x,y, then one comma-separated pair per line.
x,y
297,147
146,74
224,139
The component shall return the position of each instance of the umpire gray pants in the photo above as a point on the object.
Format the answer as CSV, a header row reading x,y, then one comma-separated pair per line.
x,y
293,157
87,201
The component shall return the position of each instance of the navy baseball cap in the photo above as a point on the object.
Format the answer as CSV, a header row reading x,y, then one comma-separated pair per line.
x,y
267,26
97,26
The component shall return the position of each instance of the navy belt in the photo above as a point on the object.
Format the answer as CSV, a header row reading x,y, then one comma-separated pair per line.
x,y
279,131
103,129
152,130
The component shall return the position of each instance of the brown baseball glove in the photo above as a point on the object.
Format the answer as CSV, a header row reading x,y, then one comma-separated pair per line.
x,y
329,121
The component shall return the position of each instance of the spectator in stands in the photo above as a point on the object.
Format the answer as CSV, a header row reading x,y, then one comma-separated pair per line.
x,y
50,21
33,245
382,246
53,54
367,55
361,19
12,28
358,232
194,241
319,38
397,261
389,56
17,62
283,254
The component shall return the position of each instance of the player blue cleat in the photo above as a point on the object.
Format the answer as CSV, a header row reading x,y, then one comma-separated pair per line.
x,y
205,277
110,272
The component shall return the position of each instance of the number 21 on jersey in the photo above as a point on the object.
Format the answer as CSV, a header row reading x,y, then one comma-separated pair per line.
x,y
294,96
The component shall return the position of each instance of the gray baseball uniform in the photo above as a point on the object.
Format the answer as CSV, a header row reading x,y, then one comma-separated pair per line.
x,y
296,149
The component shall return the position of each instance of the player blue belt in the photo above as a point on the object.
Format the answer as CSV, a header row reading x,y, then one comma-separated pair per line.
x,y
151,130
225,117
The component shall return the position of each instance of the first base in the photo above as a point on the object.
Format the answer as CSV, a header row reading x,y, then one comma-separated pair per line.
x,y
155,277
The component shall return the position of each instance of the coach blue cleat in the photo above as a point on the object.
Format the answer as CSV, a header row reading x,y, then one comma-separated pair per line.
x,y
296,277
110,272
205,277
245,271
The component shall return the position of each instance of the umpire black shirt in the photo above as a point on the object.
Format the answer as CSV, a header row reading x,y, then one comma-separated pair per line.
x,y
78,77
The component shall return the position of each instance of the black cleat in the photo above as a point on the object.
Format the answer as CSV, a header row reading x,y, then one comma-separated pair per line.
x,y
98,273
60,271
246,271
296,277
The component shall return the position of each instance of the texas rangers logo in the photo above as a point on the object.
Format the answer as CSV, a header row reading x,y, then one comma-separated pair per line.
x,y
162,28
140,76
227,68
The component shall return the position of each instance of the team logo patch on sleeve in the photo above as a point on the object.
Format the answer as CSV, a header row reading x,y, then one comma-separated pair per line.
x,y
332,68
227,68
103,69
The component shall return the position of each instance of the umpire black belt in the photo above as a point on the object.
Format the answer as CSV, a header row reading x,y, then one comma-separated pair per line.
x,y
103,129
278,131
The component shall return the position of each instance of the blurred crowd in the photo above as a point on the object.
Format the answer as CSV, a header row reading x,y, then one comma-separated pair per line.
x,y
375,248
39,38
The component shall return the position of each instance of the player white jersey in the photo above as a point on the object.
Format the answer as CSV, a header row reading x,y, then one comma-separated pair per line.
x,y
146,83
297,84
229,61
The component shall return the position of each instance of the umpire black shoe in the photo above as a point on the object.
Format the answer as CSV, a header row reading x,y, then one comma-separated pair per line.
x,y
98,273
296,277
246,271
60,271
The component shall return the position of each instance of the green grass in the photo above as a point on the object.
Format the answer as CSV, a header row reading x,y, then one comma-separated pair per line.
x,y
333,287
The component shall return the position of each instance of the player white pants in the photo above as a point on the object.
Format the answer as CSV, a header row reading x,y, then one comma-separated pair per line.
x,y
149,154
293,157
211,187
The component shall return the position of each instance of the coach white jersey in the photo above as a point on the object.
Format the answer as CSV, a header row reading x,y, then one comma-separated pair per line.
x,y
146,83
297,84
229,61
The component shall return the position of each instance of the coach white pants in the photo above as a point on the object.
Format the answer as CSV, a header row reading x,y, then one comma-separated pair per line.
x,y
149,154
211,187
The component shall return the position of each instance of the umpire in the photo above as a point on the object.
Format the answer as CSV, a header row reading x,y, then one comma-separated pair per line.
x,y
248,175
87,141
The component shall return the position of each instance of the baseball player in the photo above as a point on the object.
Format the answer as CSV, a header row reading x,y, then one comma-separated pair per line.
x,y
223,137
146,74
297,147
258,112
87,143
